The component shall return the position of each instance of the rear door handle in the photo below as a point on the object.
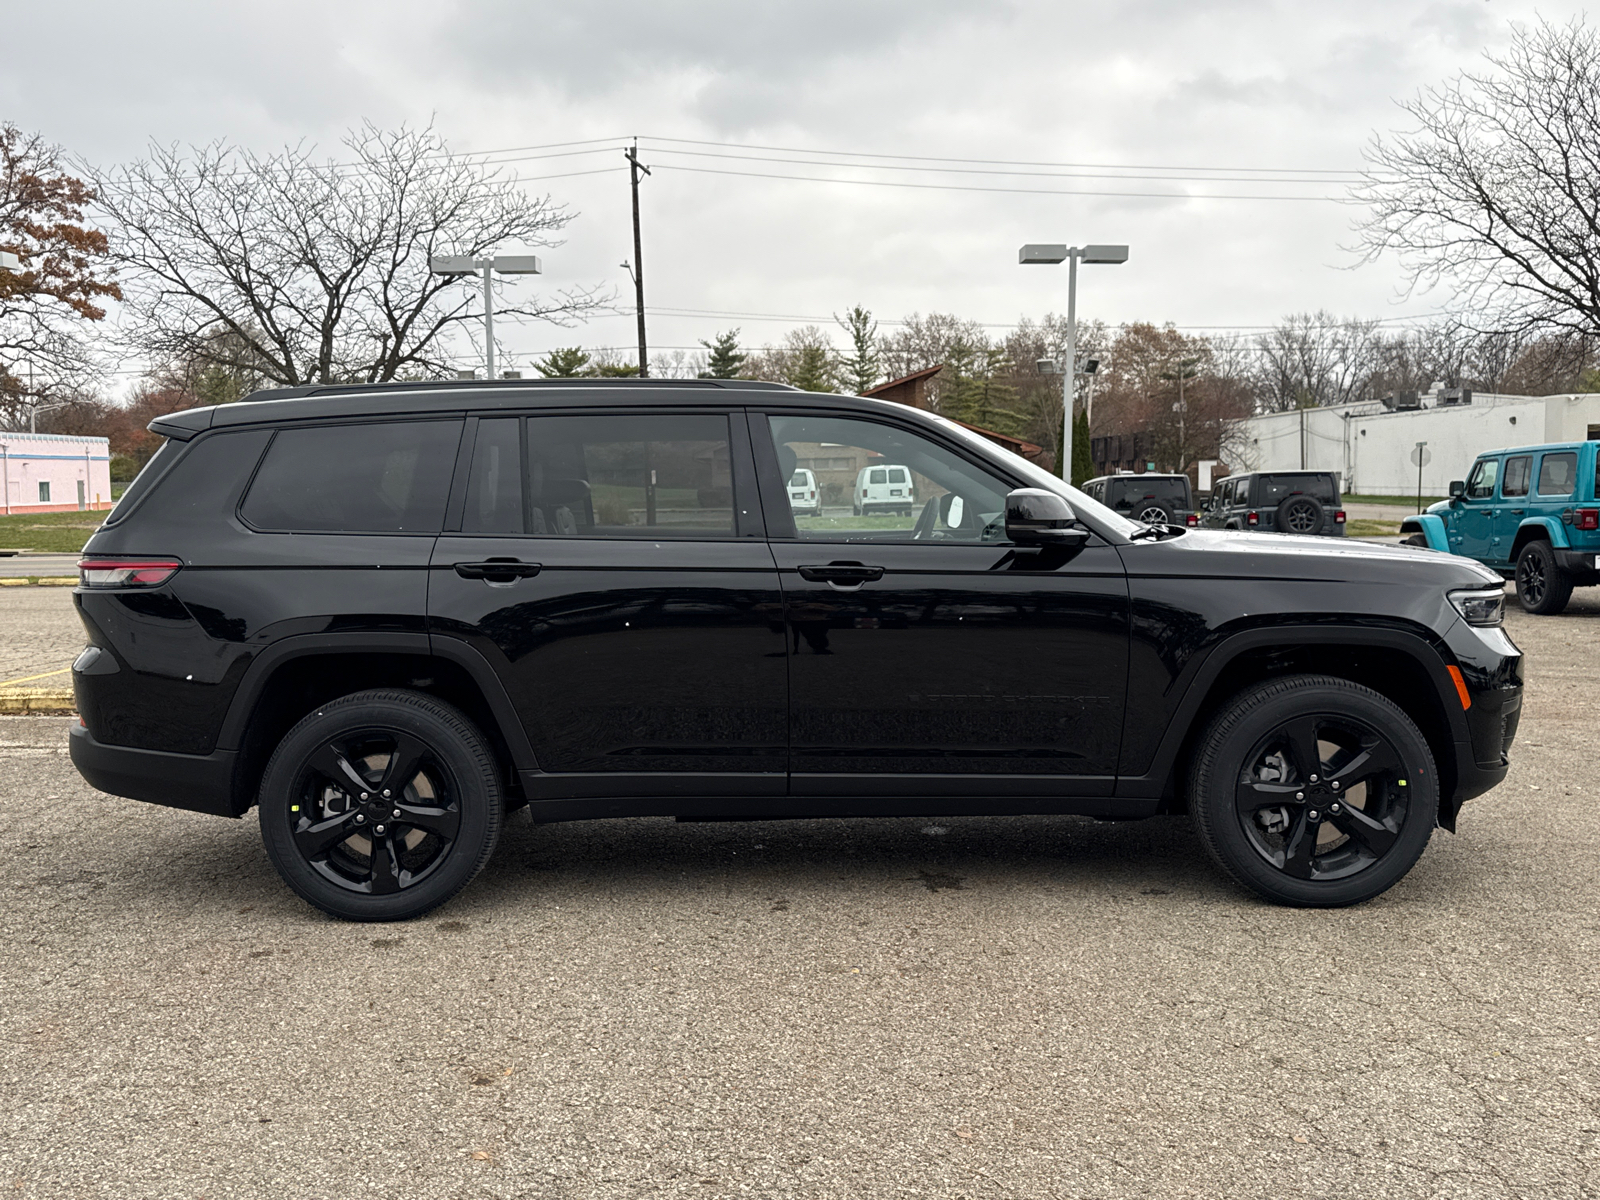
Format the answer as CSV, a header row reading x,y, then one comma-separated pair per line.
x,y
851,575
502,570
1517,512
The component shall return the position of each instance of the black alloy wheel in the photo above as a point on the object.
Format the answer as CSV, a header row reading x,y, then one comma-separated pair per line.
x,y
1542,586
381,806
1299,514
1314,791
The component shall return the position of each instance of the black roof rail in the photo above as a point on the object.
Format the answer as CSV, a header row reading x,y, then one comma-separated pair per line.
x,y
413,385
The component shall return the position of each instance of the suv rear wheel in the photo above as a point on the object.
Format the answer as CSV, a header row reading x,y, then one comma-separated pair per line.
x,y
381,806
1153,513
1300,514
1314,791
1542,586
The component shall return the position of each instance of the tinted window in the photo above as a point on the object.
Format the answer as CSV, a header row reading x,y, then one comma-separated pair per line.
x,y
1132,491
1480,486
1514,480
1558,474
494,493
947,498
385,478
1272,490
630,476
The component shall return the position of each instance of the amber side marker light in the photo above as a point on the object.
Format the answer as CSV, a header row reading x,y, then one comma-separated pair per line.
x,y
1461,687
126,572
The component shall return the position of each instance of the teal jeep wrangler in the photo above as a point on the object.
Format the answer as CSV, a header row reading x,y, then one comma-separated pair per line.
x,y
1532,513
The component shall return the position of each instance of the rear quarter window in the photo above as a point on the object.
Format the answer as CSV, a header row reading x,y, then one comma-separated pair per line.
x,y
379,478
1558,473
1272,490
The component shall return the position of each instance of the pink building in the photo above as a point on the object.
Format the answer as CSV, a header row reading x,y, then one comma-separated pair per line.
x,y
54,472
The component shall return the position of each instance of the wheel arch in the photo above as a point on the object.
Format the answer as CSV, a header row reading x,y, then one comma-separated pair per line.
x,y
1407,668
1539,529
291,677
1431,527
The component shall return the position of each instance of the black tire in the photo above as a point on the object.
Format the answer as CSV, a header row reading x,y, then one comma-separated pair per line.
x,y
335,765
1153,512
1300,514
1542,586
1419,540
1255,795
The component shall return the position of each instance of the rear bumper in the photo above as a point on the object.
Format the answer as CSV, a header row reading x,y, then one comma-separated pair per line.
x,y
197,782
1580,564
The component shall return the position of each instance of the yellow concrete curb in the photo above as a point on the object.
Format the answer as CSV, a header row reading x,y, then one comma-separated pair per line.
x,y
40,581
19,703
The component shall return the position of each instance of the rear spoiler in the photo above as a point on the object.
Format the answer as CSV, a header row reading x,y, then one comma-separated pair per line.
x,y
181,426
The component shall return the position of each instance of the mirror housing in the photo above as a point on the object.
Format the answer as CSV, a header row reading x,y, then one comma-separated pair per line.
x,y
1458,488
1036,517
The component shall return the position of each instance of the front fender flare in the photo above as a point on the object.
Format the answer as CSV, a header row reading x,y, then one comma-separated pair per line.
x,y
1430,526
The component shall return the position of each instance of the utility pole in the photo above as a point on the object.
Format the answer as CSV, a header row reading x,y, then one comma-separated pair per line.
x,y
635,167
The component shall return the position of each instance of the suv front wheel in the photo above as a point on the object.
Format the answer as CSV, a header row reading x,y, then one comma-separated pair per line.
x,y
381,806
1314,791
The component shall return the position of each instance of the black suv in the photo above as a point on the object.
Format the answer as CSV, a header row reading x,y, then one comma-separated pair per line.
x,y
1304,502
1150,498
387,615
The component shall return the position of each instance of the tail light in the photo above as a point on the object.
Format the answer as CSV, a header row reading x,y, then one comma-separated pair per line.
x,y
126,572
1338,517
1192,519
1253,518
1586,518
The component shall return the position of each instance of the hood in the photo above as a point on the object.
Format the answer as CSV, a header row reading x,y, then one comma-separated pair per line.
x,y
1246,555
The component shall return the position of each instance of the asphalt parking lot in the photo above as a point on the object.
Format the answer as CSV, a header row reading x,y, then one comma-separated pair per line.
x,y
1040,1007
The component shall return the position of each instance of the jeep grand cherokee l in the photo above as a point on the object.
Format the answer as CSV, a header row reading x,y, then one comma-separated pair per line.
x,y
383,616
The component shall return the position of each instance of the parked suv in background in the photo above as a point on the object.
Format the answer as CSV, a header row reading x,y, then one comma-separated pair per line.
x,y
1532,513
386,615
1151,498
1301,502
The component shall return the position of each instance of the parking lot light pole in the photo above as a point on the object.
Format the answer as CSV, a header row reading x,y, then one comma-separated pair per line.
x,y
457,265
1038,255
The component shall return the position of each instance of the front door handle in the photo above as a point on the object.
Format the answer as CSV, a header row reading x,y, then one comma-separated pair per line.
x,y
841,574
498,570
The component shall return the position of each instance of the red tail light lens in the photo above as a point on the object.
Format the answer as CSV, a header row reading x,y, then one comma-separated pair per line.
x,y
126,572
1338,517
1252,518
1586,518
1192,519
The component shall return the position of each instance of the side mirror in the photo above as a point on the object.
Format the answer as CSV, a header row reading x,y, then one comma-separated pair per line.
x,y
1035,517
1457,489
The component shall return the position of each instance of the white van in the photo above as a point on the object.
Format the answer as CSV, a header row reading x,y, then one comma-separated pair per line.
x,y
885,489
804,495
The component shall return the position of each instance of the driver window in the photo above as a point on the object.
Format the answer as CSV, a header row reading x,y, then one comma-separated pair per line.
x,y
1480,486
877,482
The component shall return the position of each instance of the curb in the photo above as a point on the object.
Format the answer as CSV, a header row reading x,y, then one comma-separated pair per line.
x,y
17,704
39,581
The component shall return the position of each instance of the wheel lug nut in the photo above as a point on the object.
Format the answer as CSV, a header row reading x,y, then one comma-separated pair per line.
x,y
1333,808
397,812
364,794
1312,814
360,820
386,793
1313,779
1334,784
377,829
1299,795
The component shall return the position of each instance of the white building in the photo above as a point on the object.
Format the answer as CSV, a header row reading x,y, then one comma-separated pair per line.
x,y
1370,447
54,472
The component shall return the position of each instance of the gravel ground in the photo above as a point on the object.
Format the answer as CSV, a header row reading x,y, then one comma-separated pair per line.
x,y
1042,1007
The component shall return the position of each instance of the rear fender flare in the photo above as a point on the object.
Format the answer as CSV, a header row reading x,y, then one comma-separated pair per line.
x,y
1532,529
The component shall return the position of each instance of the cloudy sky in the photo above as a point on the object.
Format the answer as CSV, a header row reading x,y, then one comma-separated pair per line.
x,y
1134,112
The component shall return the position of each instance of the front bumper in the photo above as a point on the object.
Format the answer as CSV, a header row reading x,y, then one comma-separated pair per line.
x,y
197,782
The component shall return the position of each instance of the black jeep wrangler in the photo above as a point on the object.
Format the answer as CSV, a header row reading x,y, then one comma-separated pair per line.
x,y
384,616
1303,502
1150,498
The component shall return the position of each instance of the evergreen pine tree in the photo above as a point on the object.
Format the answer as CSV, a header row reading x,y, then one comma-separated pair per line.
x,y
724,358
812,369
861,367
1082,459
568,363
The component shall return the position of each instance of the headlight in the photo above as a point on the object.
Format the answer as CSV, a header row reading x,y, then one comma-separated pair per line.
x,y
1481,606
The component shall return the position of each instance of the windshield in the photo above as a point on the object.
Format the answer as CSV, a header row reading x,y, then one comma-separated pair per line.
x,y
1271,489
1036,476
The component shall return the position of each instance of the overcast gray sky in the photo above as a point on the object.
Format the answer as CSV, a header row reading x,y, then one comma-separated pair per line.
x,y
1181,90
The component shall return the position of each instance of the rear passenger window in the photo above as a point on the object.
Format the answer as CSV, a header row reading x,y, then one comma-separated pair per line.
x,y
494,491
383,478
1515,480
1558,474
630,476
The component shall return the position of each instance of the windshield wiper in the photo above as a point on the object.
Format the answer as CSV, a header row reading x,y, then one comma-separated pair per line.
x,y
1157,532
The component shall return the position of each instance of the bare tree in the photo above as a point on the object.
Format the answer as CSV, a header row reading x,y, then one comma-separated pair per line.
x,y
1497,188
305,272
1311,359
